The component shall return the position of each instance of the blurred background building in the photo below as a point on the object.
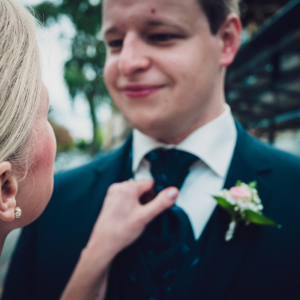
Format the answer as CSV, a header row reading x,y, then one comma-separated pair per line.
x,y
262,85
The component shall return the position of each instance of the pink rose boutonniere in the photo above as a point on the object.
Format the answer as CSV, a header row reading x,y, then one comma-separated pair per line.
x,y
243,204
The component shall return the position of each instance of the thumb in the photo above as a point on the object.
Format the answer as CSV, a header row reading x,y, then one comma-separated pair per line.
x,y
161,202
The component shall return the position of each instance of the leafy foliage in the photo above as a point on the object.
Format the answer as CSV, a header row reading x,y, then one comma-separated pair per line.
x,y
83,73
63,137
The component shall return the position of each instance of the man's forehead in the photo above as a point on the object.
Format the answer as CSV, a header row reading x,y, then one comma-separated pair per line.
x,y
130,2
158,10
170,5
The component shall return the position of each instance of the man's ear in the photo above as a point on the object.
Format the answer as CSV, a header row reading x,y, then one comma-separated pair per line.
x,y
9,187
230,35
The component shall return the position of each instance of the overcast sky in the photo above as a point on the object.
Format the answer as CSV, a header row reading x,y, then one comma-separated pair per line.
x,y
55,50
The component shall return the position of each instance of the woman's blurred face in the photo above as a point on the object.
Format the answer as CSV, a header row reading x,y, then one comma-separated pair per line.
x,y
35,190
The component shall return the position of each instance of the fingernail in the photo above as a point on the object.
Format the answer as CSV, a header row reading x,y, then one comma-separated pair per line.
x,y
172,193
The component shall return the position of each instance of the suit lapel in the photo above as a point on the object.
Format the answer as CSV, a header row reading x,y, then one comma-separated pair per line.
x,y
221,259
111,169
108,170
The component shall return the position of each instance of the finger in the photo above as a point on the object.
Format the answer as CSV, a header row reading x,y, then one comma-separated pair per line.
x,y
143,186
161,202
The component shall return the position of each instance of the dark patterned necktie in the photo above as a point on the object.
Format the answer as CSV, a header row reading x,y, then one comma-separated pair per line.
x,y
167,240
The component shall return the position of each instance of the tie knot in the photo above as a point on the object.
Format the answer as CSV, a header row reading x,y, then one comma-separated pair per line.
x,y
169,167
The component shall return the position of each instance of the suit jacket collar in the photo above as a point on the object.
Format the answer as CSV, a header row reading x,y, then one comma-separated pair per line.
x,y
248,162
109,168
116,158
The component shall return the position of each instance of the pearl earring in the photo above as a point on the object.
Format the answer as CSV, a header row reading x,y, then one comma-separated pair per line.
x,y
18,212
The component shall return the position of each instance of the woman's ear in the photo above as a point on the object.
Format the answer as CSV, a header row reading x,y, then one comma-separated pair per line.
x,y
9,188
230,35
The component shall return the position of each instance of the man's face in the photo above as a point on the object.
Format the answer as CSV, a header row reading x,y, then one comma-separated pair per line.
x,y
163,64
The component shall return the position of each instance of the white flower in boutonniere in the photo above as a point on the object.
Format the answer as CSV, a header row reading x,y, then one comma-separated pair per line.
x,y
242,202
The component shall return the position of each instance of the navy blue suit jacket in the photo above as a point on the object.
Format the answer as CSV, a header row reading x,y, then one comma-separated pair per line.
x,y
259,263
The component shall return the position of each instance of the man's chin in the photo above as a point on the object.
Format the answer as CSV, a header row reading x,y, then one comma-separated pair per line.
x,y
155,130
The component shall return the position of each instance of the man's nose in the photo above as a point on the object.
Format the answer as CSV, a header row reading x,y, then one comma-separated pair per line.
x,y
133,58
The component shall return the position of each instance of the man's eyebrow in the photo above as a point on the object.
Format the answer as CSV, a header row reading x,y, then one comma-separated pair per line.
x,y
149,23
157,23
110,30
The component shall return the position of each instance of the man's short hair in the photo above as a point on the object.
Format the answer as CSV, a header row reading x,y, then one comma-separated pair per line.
x,y
217,11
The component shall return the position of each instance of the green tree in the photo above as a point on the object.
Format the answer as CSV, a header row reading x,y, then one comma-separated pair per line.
x,y
63,137
83,73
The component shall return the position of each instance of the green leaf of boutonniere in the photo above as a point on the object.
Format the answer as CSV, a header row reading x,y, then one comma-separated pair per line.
x,y
238,183
253,184
226,205
259,218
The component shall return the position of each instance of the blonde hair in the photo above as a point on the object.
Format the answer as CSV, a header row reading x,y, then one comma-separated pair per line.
x,y
20,81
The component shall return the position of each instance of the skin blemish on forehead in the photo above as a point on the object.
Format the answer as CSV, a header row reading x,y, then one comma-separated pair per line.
x,y
153,11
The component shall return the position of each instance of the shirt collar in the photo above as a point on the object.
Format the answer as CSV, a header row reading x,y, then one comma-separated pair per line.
x,y
213,143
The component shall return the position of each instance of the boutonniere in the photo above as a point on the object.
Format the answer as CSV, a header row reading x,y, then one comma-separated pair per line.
x,y
242,202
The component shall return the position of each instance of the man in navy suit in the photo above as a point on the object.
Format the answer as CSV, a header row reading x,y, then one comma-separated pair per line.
x,y
165,69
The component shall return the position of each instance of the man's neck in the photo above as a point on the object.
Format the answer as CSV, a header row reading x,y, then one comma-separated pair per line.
x,y
205,119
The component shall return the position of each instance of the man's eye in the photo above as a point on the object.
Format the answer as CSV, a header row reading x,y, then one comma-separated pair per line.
x,y
115,43
162,37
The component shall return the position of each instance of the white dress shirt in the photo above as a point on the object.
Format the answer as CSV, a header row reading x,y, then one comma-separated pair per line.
x,y
214,144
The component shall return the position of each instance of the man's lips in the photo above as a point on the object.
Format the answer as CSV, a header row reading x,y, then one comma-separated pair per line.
x,y
140,91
